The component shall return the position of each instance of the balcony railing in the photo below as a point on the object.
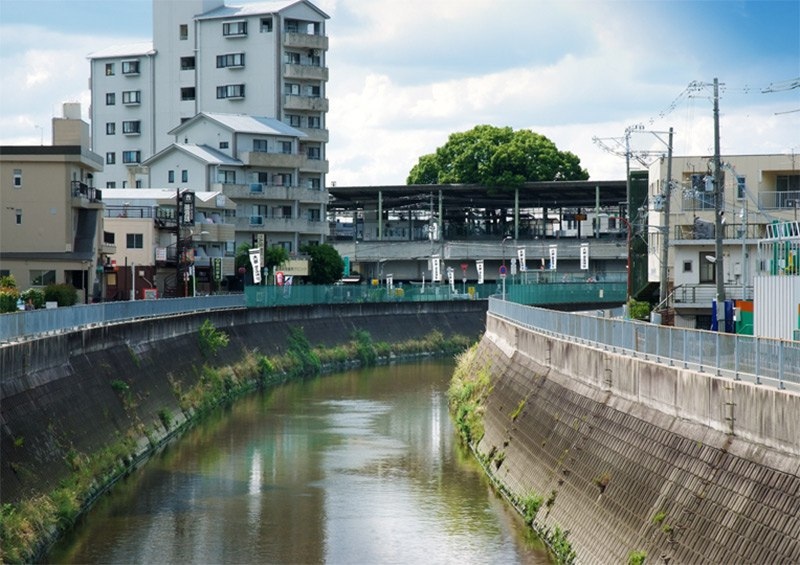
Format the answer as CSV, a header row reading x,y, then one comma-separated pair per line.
x,y
701,295
81,190
705,231
307,103
305,41
305,72
780,200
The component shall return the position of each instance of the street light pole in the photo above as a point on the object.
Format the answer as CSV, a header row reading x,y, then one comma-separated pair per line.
x,y
503,274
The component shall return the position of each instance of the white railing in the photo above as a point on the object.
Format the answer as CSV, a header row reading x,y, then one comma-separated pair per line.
x,y
737,356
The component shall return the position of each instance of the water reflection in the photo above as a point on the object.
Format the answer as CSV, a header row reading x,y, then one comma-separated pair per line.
x,y
362,467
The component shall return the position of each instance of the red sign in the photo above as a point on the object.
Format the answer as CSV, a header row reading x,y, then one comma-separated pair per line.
x,y
279,278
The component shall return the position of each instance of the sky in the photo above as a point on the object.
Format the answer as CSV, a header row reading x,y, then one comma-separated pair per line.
x,y
405,74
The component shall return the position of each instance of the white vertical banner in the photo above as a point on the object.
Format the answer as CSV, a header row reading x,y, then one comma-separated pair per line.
x,y
255,262
479,268
451,278
584,256
389,282
521,256
553,257
513,266
436,269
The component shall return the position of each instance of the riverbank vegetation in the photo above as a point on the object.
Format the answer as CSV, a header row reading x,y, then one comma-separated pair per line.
x,y
28,527
469,391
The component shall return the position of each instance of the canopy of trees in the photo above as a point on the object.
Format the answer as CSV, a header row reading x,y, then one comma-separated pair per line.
x,y
326,266
496,157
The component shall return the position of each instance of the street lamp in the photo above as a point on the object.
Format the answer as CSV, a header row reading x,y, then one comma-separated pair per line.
x,y
503,267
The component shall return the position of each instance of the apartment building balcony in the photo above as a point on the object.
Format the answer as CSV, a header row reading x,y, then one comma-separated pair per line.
x,y
780,200
305,41
305,72
305,103
316,135
700,296
264,192
216,233
274,224
271,160
85,196
702,232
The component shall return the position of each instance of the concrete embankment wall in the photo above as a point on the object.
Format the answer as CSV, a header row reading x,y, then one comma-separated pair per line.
x,y
57,393
630,455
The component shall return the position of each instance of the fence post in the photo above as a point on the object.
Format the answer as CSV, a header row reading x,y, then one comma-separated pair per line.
x,y
758,368
685,345
780,365
717,356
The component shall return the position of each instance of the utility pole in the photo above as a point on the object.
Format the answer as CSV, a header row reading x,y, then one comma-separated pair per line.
x,y
662,295
719,192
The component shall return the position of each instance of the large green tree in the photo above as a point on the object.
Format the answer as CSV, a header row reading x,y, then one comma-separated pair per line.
x,y
326,266
496,157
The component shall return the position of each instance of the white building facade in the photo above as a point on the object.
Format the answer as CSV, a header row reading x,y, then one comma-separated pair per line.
x,y
264,59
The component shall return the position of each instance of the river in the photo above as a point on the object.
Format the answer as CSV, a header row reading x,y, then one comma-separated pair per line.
x,y
358,467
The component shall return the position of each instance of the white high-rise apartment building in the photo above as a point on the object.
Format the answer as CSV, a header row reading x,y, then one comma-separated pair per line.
x,y
265,59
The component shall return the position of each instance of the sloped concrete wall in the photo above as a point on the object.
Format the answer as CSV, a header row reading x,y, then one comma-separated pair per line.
x,y
56,393
637,456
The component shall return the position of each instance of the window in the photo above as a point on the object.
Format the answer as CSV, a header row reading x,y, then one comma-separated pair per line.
x,y
111,184
315,153
111,98
741,187
224,144
187,93
41,277
612,224
230,91
292,26
708,271
170,176
314,183
17,178
787,182
262,177
184,175
131,156
260,145
293,89
314,122
183,32
286,147
315,60
230,60
233,29
109,69
266,25
282,180
313,91
134,241
132,127
18,215
132,97
294,120
293,58
138,184
111,158
227,177
687,266
130,67
111,128
313,215
187,63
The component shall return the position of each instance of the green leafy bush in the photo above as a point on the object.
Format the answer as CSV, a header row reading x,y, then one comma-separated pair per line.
x,y
211,339
8,299
63,294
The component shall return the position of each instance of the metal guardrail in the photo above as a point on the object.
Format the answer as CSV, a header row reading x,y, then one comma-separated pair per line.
x,y
23,325
737,356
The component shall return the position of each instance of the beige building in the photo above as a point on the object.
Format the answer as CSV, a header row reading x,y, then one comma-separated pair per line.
x,y
759,191
51,225
152,253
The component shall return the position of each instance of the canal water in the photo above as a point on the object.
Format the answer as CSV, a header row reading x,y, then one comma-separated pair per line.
x,y
359,467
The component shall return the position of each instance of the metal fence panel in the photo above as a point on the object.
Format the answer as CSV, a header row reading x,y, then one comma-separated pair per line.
x,y
740,357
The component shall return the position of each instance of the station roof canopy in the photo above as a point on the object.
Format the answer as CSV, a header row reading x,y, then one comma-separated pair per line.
x,y
550,194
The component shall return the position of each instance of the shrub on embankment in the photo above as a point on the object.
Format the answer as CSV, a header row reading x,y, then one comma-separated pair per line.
x,y
28,526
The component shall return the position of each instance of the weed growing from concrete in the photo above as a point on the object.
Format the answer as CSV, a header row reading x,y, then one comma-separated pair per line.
x,y
637,557
211,339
